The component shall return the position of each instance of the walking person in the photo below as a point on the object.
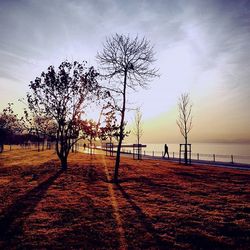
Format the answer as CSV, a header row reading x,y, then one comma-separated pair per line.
x,y
166,151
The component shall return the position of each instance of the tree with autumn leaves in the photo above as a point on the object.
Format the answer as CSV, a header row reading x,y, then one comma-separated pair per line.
x,y
62,95
9,126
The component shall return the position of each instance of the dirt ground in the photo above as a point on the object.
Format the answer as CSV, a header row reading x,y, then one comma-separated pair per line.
x,y
156,205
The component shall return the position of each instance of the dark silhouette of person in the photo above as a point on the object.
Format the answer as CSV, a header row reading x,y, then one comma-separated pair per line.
x,y
84,146
166,151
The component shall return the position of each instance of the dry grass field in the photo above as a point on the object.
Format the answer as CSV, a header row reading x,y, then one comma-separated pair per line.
x,y
157,204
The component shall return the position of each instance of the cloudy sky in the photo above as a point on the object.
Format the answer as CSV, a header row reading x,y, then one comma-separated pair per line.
x,y
202,47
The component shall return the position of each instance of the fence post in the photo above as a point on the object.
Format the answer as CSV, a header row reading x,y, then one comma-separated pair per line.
x,y
232,159
214,157
198,156
173,155
153,153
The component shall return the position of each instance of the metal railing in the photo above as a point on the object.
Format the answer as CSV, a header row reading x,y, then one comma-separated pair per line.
x,y
202,157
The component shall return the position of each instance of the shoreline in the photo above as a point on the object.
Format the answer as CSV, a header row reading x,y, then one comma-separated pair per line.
x,y
240,166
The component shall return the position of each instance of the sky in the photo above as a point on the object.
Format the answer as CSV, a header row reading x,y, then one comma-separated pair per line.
x,y
201,47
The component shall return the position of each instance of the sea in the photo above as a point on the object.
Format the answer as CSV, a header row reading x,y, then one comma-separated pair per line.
x,y
226,152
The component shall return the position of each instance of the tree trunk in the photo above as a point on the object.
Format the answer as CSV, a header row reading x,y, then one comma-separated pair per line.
x,y
64,163
62,154
118,154
185,153
72,148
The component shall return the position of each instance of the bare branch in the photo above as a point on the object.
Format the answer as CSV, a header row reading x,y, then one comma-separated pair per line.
x,y
138,130
127,61
185,119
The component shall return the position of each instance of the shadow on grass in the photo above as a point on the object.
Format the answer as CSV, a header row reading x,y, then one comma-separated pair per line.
x,y
152,184
12,221
159,243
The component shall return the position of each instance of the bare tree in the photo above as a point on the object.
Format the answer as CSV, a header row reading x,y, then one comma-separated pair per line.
x,y
127,64
185,119
138,130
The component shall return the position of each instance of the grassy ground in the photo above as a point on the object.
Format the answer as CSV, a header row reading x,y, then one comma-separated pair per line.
x,y
157,205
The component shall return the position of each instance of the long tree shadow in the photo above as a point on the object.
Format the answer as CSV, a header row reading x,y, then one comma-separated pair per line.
x,y
12,221
153,185
159,243
144,180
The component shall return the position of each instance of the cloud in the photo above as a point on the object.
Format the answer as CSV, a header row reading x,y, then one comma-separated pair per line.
x,y
197,43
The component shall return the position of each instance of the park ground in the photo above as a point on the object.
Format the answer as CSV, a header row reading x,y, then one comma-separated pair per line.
x,y
156,205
